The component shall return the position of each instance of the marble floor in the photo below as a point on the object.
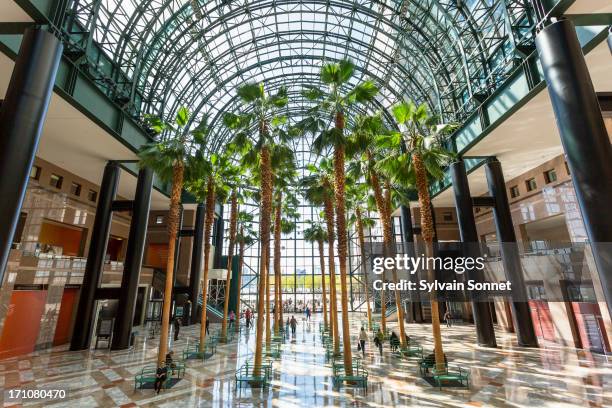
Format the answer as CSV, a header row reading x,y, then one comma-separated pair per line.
x,y
507,376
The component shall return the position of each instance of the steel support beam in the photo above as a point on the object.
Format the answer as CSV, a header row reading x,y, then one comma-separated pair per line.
x,y
415,313
584,138
196,263
469,236
133,260
22,116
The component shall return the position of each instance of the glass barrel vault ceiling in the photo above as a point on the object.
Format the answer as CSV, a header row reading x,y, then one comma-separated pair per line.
x,y
167,53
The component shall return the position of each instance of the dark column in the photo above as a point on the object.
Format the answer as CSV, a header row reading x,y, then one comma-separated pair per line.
x,y
22,116
584,138
469,236
196,263
510,256
217,261
83,325
133,261
414,312
610,39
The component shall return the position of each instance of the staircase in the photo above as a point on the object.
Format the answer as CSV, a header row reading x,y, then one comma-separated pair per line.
x,y
214,314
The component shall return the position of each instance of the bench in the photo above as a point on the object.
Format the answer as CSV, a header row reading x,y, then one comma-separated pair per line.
x,y
359,377
429,362
193,351
395,343
460,375
148,374
273,350
245,375
411,351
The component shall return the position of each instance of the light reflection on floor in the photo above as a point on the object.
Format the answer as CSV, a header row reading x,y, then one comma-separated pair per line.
x,y
507,376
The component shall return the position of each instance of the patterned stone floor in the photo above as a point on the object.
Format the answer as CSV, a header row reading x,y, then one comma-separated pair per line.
x,y
508,376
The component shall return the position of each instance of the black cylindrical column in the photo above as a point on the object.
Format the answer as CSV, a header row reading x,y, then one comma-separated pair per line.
x,y
22,116
217,261
584,138
133,261
469,236
83,325
196,263
506,237
414,310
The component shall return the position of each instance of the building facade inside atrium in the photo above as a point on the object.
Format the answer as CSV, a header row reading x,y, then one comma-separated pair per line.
x,y
306,203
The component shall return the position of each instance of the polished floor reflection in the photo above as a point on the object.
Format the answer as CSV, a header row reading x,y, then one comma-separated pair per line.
x,y
506,376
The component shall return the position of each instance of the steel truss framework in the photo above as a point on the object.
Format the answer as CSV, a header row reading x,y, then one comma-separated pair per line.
x,y
153,56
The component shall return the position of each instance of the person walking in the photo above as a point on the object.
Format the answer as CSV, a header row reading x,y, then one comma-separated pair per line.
x,y
363,338
247,316
176,323
207,325
293,324
307,313
232,318
448,318
378,340
160,377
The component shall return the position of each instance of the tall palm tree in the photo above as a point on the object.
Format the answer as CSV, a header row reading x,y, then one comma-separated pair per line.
x,y
284,223
356,196
210,178
363,144
318,190
284,203
419,155
167,155
335,103
316,233
245,237
258,147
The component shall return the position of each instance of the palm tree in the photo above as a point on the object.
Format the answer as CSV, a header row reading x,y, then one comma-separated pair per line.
x,y
284,176
316,233
318,190
245,237
423,158
364,144
288,217
210,178
336,102
167,155
356,196
263,115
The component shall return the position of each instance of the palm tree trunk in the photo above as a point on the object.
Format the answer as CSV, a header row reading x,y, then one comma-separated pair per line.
x,y
427,233
266,207
208,222
240,266
268,322
380,204
363,263
230,255
389,252
323,284
173,221
277,264
328,209
339,194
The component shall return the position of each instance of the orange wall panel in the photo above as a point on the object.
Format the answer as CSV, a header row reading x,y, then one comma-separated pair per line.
x,y
22,322
62,329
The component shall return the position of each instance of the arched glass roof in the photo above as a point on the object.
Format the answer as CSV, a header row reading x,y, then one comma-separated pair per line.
x,y
448,53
